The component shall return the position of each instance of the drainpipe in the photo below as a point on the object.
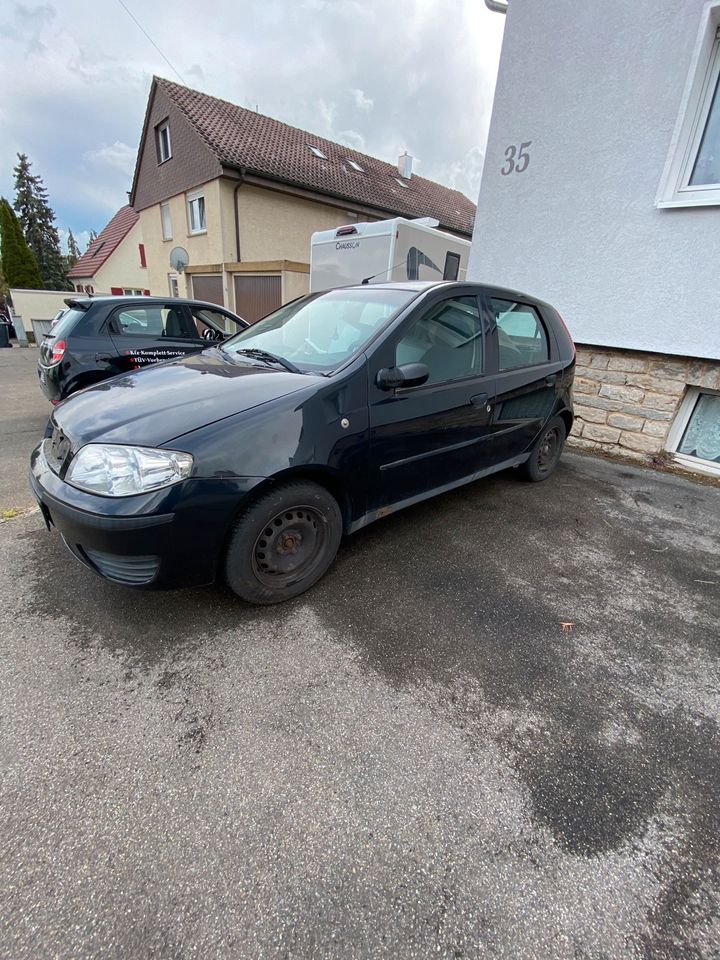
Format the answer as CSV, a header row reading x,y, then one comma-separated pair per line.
x,y
240,182
498,6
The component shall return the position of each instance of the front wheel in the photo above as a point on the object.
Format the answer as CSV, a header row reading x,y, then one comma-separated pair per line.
x,y
545,454
283,543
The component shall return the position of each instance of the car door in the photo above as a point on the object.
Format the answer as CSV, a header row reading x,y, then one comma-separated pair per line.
x,y
529,373
148,333
434,435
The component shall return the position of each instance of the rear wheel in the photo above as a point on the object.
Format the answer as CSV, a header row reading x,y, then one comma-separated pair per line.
x,y
545,454
283,543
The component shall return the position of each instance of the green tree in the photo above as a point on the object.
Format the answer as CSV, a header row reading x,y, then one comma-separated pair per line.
x,y
19,266
38,224
93,236
73,254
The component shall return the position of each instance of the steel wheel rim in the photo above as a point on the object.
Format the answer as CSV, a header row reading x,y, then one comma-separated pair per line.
x,y
290,546
548,450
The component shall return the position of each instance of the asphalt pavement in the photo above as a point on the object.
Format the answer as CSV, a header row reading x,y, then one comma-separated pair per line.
x,y
490,732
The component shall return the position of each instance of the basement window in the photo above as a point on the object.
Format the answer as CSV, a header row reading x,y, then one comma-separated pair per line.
x,y
694,437
162,140
692,170
317,151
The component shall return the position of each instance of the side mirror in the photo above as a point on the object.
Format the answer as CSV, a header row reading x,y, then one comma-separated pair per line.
x,y
406,375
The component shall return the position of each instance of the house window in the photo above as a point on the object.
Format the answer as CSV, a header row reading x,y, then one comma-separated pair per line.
x,y
166,221
132,292
354,164
692,171
694,437
173,285
196,212
141,251
162,137
317,152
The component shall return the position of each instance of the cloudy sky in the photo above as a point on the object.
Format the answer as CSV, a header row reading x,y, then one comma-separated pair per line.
x,y
380,75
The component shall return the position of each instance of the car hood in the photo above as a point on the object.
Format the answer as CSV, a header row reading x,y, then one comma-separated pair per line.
x,y
155,405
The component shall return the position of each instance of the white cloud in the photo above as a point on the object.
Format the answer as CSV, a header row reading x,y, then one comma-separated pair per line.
x,y
361,101
117,155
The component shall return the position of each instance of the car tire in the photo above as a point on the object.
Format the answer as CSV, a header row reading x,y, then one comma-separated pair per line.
x,y
283,543
545,454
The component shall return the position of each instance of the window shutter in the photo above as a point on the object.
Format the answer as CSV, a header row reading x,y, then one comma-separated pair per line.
x,y
116,291
146,293
141,248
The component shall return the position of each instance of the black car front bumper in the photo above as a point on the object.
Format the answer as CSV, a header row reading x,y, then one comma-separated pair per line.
x,y
169,538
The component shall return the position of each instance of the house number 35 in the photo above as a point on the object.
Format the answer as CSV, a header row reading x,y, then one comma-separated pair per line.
x,y
516,159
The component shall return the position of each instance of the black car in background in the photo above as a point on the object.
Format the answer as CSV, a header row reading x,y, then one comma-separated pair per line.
x,y
251,459
100,337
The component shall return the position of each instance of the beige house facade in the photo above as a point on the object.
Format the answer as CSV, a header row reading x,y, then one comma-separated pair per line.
x,y
115,260
241,195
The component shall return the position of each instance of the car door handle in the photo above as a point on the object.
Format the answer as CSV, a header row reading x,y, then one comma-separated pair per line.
x,y
551,380
479,400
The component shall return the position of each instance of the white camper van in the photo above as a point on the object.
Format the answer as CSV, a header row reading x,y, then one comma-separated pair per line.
x,y
396,249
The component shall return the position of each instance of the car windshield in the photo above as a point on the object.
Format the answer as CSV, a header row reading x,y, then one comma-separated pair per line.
x,y
319,332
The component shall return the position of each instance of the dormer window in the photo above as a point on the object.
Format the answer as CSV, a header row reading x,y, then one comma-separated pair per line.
x,y
317,151
354,164
162,138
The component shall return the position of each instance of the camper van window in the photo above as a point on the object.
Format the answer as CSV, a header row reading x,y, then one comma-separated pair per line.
x,y
452,266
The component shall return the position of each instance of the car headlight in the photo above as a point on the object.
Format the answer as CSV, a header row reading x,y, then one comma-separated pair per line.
x,y
119,471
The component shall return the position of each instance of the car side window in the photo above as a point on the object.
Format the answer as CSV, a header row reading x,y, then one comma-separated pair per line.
x,y
522,338
448,339
204,317
155,321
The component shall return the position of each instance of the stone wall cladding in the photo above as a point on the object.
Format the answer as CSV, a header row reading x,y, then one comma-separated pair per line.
x,y
625,400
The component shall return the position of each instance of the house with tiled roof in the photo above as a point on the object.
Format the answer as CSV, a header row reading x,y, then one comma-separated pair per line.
x,y
242,194
114,261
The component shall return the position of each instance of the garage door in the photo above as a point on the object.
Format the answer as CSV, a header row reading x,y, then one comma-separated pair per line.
x,y
256,296
208,286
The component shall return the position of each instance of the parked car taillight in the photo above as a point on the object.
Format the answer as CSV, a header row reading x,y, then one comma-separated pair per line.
x,y
58,351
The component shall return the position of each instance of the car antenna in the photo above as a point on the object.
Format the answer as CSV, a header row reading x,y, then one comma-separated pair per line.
x,y
390,270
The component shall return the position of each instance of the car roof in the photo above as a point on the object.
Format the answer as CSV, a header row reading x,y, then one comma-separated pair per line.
x,y
420,286
86,301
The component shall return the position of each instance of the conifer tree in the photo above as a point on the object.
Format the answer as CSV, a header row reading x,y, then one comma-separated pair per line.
x,y
73,254
19,266
37,220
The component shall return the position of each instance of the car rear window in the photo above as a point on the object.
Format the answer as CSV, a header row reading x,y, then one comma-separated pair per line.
x,y
67,322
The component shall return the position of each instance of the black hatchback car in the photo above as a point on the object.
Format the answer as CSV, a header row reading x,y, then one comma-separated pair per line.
x,y
250,460
100,337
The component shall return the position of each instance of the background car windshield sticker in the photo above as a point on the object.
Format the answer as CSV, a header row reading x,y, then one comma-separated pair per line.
x,y
416,259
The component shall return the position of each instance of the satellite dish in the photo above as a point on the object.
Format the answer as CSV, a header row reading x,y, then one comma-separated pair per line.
x,y
179,258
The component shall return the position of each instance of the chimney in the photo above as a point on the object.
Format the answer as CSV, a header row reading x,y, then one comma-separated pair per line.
x,y
405,162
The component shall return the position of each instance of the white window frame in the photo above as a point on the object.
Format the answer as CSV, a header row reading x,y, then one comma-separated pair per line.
x,y
677,432
132,292
191,198
700,86
166,222
162,127
173,279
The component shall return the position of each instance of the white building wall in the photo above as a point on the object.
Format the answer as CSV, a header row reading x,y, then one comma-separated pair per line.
x,y
596,88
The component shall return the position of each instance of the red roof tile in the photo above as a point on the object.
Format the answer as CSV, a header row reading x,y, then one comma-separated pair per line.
x,y
265,147
106,243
